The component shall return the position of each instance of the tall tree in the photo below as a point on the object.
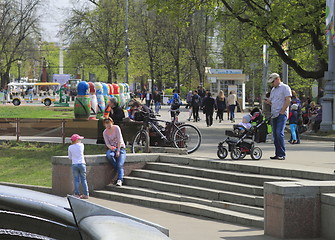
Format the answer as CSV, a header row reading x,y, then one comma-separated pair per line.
x,y
298,22
100,31
18,23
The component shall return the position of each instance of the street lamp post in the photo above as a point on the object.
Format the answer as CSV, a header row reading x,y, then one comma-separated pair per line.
x,y
19,63
127,42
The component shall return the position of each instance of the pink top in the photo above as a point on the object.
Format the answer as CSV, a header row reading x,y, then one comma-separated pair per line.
x,y
114,137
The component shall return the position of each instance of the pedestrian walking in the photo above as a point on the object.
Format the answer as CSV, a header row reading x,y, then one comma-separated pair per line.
x,y
76,155
189,104
175,103
231,101
280,98
293,121
208,108
157,101
296,100
196,101
116,153
148,98
221,105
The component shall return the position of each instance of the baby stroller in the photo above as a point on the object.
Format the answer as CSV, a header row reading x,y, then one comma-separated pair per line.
x,y
240,141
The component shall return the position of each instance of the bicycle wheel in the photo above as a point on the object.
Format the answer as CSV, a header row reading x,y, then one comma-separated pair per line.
x,y
141,142
187,136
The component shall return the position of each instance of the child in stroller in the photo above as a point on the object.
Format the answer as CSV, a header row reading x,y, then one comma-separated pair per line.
x,y
239,141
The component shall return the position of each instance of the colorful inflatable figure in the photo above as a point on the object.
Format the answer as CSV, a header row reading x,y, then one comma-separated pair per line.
x,y
100,99
93,98
110,90
82,105
116,92
105,92
63,98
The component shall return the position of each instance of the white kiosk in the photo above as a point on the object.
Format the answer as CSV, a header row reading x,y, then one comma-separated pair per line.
x,y
227,80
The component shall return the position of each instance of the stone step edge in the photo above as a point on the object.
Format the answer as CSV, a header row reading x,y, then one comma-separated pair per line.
x,y
259,188
236,173
257,211
183,207
254,198
266,170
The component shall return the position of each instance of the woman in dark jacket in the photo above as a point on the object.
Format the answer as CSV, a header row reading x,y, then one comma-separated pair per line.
x,y
221,105
208,108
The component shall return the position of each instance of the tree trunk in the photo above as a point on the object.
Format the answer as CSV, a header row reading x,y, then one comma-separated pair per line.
x,y
110,75
152,76
4,79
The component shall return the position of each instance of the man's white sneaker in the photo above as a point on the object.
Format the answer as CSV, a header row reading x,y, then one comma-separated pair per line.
x,y
119,183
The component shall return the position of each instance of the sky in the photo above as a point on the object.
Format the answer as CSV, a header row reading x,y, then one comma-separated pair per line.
x,y
52,14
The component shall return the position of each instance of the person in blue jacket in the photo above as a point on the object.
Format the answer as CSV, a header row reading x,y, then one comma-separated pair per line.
x,y
175,104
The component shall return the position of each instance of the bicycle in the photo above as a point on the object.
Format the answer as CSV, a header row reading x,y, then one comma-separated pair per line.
x,y
179,136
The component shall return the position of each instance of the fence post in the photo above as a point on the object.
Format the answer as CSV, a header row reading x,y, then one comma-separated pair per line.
x,y
63,131
18,130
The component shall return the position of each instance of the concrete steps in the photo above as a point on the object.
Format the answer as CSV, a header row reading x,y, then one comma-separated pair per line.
x,y
193,180
184,207
224,191
224,175
193,191
140,191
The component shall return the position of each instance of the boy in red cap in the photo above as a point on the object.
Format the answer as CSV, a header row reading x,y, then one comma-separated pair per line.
x,y
76,155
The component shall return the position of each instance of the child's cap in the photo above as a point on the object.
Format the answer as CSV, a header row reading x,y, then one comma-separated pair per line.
x,y
294,107
75,137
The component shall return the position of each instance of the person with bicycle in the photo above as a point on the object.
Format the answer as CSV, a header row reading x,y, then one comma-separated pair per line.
x,y
175,105
116,153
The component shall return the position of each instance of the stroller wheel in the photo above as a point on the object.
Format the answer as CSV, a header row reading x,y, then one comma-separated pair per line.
x,y
235,154
256,153
243,154
222,152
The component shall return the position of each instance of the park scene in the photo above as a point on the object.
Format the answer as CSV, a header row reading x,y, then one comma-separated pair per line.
x,y
179,119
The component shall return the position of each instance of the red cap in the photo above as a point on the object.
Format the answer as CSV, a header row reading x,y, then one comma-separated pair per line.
x,y
75,137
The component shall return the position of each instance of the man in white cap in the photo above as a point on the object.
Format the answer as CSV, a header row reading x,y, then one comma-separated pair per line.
x,y
280,98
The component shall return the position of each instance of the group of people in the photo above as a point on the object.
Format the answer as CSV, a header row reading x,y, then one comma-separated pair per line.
x,y
155,98
209,105
282,102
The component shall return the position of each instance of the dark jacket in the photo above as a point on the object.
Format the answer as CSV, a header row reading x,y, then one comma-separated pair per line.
x,y
156,97
221,104
293,117
196,101
117,114
208,105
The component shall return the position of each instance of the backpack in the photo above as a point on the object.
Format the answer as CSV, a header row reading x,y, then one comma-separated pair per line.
x,y
196,102
175,104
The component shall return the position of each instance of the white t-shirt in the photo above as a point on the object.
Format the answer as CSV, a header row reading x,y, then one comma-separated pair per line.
x,y
231,99
277,98
76,153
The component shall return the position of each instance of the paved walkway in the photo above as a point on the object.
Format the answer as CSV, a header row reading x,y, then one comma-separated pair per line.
x,y
311,155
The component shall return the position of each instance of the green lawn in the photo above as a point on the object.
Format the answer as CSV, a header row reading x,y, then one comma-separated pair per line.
x,y
30,163
40,111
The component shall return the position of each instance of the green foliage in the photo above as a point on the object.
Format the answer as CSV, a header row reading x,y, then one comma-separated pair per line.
x,y
30,163
168,91
183,91
98,34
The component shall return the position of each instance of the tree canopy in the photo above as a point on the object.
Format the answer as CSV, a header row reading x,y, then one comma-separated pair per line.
x,y
297,23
